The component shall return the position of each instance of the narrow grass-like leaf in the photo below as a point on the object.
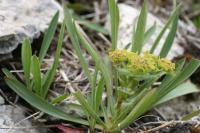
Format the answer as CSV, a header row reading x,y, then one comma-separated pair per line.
x,y
191,115
99,94
183,89
75,43
35,66
26,60
51,73
139,35
87,108
8,73
93,26
39,103
59,99
114,18
130,106
162,32
148,34
142,106
169,78
182,76
148,83
93,86
101,65
48,37
170,39
186,72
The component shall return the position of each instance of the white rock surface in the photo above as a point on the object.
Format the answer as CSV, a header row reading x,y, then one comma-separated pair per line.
x,y
128,17
1,100
23,18
9,115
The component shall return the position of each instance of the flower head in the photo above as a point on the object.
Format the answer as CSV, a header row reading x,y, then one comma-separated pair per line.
x,y
118,56
166,65
140,65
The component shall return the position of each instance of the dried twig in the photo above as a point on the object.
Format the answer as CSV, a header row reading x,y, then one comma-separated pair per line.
x,y
159,127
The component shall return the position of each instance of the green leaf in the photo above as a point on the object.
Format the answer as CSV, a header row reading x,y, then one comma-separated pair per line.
x,y
36,76
75,43
141,107
180,77
49,77
149,33
87,108
168,79
148,83
139,35
170,39
59,99
93,26
8,73
186,72
39,103
114,18
162,32
48,37
26,60
130,106
79,7
100,65
191,115
99,94
183,89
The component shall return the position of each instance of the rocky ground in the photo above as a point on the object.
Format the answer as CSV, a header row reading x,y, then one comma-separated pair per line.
x,y
15,113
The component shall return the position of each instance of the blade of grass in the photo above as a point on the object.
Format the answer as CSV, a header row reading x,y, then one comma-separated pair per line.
x,y
51,73
35,66
99,94
183,89
182,76
26,60
138,41
93,26
99,63
162,32
93,87
38,102
142,106
191,115
48,37
59,99
75,43
149,33
87,108
130,106
114,18
8,73
170,39
169,78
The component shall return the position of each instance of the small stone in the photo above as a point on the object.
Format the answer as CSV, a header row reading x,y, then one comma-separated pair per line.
x,y
10,115
23,18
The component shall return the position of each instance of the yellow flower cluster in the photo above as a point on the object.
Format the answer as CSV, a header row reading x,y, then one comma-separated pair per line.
x,y
137,64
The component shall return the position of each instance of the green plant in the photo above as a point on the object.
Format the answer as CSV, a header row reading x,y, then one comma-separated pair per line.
x,y
36,81
127,78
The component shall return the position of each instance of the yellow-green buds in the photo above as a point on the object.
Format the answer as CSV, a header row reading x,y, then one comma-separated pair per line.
x,y
148,63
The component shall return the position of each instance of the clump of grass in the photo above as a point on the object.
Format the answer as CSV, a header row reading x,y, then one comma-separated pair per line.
x,y
126,77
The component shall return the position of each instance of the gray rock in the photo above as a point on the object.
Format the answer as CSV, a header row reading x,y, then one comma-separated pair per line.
x,y
23,18
10,115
